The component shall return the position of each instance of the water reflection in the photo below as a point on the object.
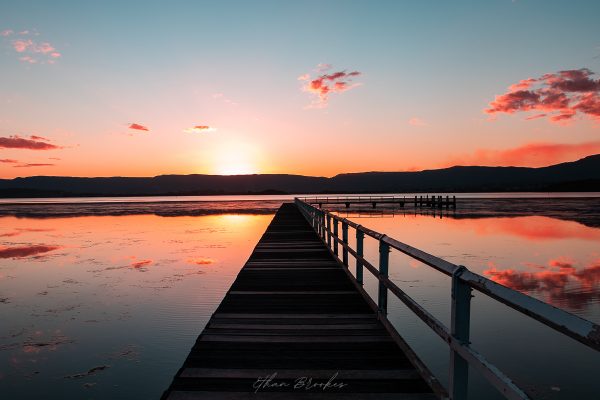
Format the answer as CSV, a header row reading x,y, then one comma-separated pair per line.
x,y
79,295
560,283
25,251
555,260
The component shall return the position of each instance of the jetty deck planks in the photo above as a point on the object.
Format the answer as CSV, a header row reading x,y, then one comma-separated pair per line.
x,y
293,315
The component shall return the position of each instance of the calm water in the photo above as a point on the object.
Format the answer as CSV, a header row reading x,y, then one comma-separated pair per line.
x,y
93,304
554,260
286,197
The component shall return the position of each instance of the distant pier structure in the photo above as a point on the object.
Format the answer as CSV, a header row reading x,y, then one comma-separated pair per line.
x,y
428,201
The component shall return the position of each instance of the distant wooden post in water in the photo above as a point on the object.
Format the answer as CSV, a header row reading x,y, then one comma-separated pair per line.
x,y
348,201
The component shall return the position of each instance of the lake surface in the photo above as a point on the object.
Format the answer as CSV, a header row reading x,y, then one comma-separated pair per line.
x,y
554,260
97,297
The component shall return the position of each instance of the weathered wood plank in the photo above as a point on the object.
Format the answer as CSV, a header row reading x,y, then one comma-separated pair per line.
x,y
294,312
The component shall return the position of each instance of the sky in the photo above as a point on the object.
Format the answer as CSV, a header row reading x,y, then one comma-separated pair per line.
x,y
144,88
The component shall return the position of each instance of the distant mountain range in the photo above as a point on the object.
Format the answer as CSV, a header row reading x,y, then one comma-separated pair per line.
x,y
581,175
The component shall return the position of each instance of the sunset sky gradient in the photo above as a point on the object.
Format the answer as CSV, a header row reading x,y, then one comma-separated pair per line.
x,y
143,88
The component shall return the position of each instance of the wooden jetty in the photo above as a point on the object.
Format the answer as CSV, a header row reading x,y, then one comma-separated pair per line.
x,y
293,315
297,324
431,201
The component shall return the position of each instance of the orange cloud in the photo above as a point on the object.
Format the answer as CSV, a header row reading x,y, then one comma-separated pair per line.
x,y
30,165
199,129
8,161
529,154
25,251
560,96
17,142
138,127
324,85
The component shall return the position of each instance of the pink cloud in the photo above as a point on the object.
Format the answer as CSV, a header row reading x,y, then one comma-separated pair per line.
x,y
25,251
322,67
529,154
138,127
558,96
32,51
199,129
21,45
28,59
8,161
322,86
17,142
414,121
224,99
34,137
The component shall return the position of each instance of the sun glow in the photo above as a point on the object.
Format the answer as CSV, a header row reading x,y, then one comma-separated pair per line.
x,y
235,159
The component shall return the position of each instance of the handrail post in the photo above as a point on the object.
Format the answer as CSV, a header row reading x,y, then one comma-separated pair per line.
x,y
345,242
360,236
384,260
336,237
460,315
329,231
322,224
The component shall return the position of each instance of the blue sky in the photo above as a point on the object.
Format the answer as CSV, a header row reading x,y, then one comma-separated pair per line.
x,y
428,70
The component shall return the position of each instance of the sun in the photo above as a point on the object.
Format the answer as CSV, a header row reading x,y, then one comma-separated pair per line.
x,y
235,159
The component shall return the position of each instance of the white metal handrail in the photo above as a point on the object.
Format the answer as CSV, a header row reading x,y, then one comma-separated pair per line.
x,y
463,281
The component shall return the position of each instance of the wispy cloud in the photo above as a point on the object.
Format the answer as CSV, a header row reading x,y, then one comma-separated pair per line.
x,y
529,154
224,99
323,85
35,137
29,50
30,165
200,129
414,121
8,161
17,142
558,96
138,127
